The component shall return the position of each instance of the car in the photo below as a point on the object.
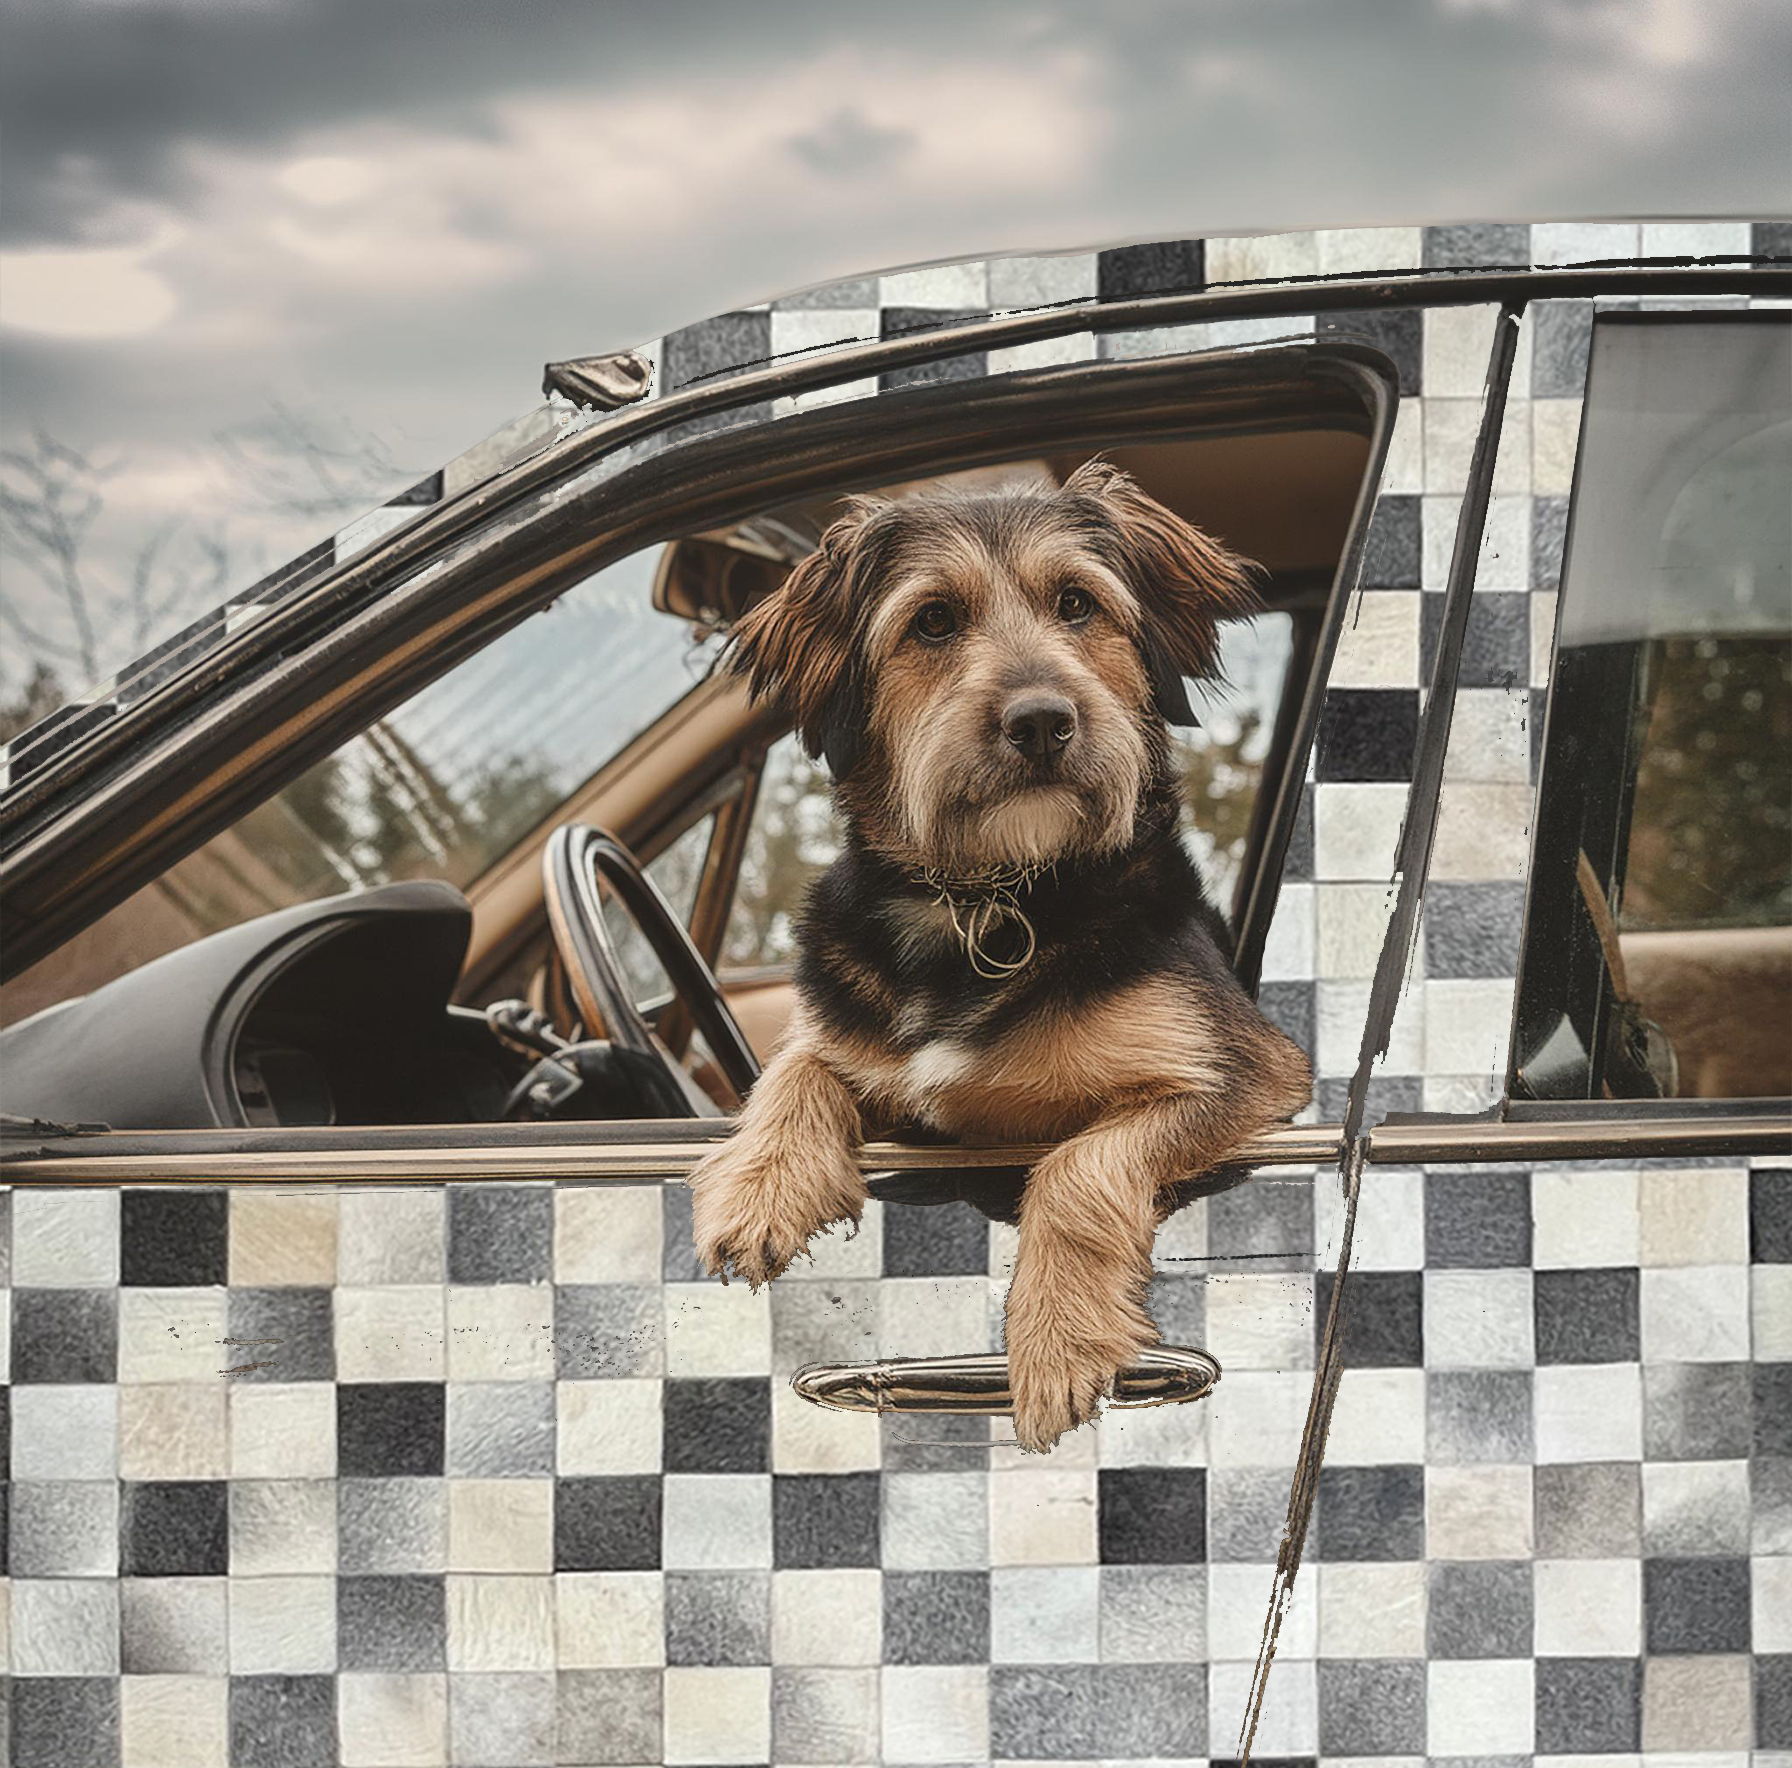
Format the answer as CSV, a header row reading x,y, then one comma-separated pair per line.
x,y
339,887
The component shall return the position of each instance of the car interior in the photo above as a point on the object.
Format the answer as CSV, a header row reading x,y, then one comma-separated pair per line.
x,y
1284,500
415,1002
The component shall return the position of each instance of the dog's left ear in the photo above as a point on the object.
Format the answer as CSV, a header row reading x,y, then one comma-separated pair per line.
x,y
796,647
1186,581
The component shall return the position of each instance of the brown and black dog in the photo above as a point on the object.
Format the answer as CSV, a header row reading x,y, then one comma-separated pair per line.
x,y
1014,944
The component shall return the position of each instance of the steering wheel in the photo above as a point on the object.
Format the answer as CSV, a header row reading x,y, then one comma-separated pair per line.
x,y
577,857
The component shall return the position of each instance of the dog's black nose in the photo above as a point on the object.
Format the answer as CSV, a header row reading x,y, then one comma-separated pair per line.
x,y
1039,724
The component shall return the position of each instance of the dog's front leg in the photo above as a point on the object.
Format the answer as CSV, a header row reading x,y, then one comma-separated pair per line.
x,y
789,1170
1076,1312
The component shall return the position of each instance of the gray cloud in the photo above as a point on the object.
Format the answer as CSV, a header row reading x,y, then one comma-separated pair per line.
x,y
847,144
394,213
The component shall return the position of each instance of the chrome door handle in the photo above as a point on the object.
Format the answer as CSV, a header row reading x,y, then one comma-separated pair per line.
x,y
1165,1375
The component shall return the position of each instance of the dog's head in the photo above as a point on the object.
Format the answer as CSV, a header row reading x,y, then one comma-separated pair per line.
x,y
988,674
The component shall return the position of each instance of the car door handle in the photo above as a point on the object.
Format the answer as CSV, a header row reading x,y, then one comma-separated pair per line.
x,y
1165,1375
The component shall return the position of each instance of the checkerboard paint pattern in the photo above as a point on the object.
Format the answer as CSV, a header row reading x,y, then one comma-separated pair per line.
x,y
495,1479
502,1482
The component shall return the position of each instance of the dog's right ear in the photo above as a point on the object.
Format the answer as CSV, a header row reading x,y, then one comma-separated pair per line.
x,y
796,648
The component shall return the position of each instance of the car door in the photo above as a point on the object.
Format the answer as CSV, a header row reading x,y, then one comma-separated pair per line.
x,y
497,1477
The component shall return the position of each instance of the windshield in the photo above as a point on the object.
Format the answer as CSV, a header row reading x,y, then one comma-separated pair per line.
x,y
450,782
86,587
441,788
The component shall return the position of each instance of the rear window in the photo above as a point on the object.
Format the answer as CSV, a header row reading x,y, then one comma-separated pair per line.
x,y
1658,954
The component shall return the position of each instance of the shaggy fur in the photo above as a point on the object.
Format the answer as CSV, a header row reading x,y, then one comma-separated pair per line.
x,y
988,676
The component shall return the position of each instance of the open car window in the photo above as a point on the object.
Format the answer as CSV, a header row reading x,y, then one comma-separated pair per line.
x,y
1658,944
795,835
1273,451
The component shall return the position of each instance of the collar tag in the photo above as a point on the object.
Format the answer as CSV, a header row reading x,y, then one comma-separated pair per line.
x,y
982,903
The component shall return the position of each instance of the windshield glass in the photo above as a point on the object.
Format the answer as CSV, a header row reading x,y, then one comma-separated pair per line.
x,y
450,781
441,788
88,586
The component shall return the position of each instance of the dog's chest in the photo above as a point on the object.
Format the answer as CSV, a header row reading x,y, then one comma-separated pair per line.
x,y
1088,1016
1018,1087
1040,1074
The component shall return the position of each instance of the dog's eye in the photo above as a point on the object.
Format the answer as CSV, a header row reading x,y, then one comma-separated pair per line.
x,y
1075,605
935,622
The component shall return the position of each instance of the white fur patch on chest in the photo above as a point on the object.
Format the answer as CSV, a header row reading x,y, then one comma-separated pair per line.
x,y
941,1063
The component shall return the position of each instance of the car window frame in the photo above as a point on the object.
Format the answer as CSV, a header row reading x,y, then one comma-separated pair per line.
x,y
1363,385
1525,1129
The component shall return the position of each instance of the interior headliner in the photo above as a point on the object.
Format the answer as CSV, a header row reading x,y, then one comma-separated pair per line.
x,y
1236,487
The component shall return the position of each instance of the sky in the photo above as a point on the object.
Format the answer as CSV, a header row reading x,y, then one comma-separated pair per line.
x,y
262,256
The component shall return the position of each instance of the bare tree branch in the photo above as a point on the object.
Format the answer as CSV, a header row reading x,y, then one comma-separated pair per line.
x,y
143,571
52,494
45,521
290,463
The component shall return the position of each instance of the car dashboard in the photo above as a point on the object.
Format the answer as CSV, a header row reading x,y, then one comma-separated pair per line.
x,y
335,1012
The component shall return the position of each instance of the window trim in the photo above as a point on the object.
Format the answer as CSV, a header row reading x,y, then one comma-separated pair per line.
x,y
663,1152
1587,1129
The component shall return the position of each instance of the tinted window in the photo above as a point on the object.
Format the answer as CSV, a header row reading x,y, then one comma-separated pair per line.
x,y
1659,946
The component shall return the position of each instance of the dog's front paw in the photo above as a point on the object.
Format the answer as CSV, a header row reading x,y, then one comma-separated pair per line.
x,y
1052,1398
1063,1359
755,1206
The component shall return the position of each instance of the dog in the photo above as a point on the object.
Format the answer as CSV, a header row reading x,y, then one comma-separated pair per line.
x,y
1014,945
